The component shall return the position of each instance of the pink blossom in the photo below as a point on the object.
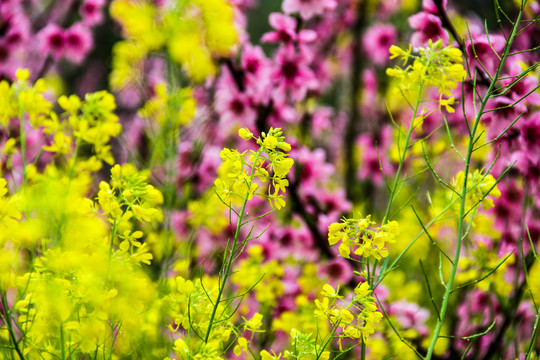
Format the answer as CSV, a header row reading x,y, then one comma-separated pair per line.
x,y
525,87
91,11
257,70
17,30
78,42
207,169
5,53
530,137
308,8
281,113
313,167
292,73
179,221
430,7
388,7
428,27
377,40
338,271
335,202
528,168
374,163
497,121
234,107
370,91
320,121
290,242
508,207
133,133
285,31
410,316
482,52
52,40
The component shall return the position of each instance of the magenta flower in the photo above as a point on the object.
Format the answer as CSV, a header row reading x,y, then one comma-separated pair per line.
x,y
499,120
314,169
91,11
377,40
281,113
428,27
234,107
374,163
525,87
4,53
17,30
78,42
293,74
430,7
285,30
410,316
308,8
257,70
52,40
530,137
481,52
290,242
321,121
338,271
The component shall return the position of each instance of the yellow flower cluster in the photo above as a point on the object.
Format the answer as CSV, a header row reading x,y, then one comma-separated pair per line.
x,y
362,238
434,66
176,106
22,98
129,196
91,121
190,304
264,279
357,318
75,295
478,188
208,212
80,298
192,32
481,263
303,346
236,180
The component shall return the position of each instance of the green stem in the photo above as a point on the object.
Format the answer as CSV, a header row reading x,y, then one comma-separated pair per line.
x,y
113,236
62,349
9,325
23,144
403,153
470,149
170,135
329,338
533,336
397,178
229,260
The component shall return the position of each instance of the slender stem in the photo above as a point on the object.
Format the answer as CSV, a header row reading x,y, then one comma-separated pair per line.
x,y
330,338
448,290
398,175
533,336
22,135
113,236
170,135
229,260
9,325
62,340
403,153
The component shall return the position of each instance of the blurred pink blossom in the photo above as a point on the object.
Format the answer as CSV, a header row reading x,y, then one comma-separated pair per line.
x,y
377,40
308,8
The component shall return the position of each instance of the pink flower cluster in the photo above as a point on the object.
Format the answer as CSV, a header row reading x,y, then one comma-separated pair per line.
x,y
30,33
